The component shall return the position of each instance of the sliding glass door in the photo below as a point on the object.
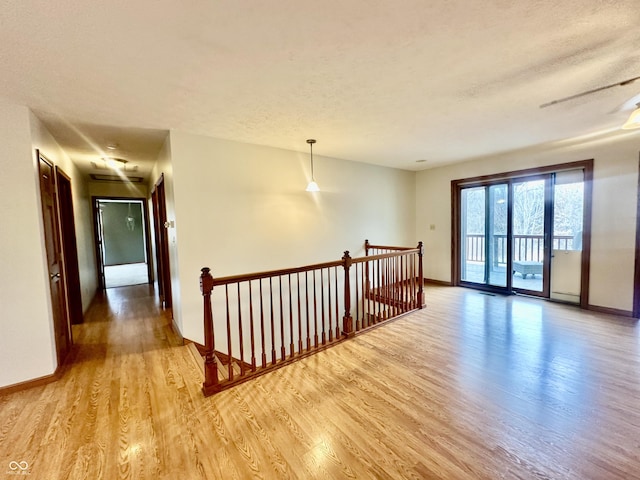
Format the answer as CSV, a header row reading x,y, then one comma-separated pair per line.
x,y
526,231
505,229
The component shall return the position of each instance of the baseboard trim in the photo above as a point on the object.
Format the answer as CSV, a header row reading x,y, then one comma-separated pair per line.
x,y
27,384
610,311
442,283
176,330
91,302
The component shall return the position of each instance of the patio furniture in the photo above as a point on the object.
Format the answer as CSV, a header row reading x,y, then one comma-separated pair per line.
x,y
525,268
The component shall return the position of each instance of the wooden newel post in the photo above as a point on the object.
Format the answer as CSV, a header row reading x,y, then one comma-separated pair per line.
x,y
367,282
421,302
347,320
210,384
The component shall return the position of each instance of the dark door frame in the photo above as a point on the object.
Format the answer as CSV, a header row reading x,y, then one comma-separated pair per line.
x,y
69,247
585,165
163,267
636,275
97,235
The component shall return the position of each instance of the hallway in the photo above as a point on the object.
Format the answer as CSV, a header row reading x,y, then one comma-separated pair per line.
x,y
483,387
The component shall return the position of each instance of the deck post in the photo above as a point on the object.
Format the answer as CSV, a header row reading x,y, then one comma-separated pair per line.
x,y
211,384
347,320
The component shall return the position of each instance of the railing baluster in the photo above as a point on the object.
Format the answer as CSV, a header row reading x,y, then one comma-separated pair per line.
x,y
420,276
230,359
291,347
282,347
398,278
315,312
358,323
324,338
385,282
240,332
335,272
306,289
262,340
299,315
329,307
253,345
405,282
390,287
414,267
273,333
379,289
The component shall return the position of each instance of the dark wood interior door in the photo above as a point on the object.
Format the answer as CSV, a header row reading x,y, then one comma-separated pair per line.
x,y
156,239
69,247
162,243
61,327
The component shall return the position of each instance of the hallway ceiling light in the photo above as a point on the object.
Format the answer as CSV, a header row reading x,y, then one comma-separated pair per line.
x,y
634,119
312,186
114,164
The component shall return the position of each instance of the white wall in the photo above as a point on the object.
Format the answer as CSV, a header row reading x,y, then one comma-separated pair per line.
x,y
164,167
614,210
42,140
243,208
27,347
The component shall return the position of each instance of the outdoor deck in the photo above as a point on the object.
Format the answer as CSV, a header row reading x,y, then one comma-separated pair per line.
x,y
475,273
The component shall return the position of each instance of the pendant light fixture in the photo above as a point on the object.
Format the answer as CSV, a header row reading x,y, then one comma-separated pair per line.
x,y
130,220
313,186
634,119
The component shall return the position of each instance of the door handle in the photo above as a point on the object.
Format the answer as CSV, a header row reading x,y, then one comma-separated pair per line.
x,y
54,275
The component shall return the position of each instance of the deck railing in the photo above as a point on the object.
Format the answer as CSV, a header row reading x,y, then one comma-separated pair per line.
x,y
525,247
258,322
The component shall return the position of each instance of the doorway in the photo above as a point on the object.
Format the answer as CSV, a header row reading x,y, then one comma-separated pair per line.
x,y
121,229
524,232
160,225
55,259
69,247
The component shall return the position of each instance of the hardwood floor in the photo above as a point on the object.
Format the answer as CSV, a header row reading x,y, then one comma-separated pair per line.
x,y
474,386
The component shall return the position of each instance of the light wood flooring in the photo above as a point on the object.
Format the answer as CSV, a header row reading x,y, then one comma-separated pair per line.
x,y
474,386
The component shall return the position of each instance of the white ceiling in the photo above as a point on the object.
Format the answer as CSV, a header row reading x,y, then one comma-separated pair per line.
x,y
386,82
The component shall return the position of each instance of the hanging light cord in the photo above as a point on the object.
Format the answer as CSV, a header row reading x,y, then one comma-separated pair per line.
x,y
311,141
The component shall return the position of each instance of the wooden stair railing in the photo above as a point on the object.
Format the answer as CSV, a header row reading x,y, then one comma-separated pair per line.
x,y
270,319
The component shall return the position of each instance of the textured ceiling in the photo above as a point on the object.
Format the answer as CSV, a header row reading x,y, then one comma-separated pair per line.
x,y
384,82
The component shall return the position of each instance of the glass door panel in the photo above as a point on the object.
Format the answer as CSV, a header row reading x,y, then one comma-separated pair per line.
x,y
528,227
497,235
472,241
484,220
